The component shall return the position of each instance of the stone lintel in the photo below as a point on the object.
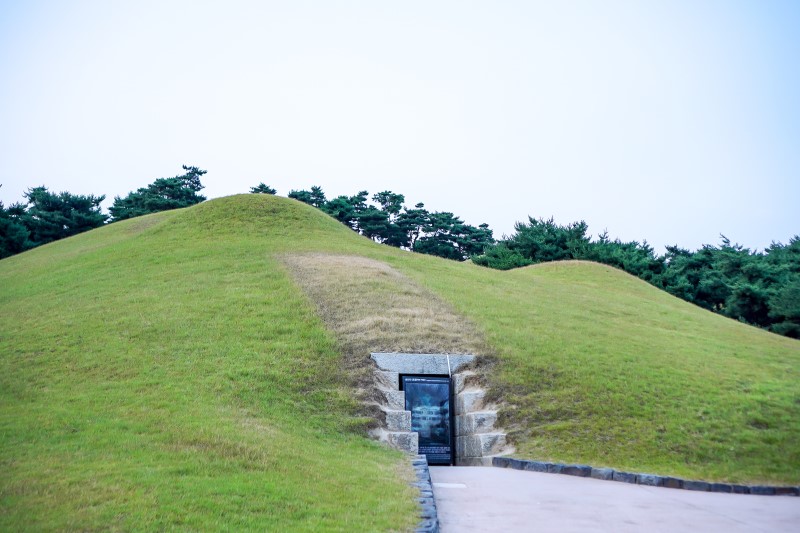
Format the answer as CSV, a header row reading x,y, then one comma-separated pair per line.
x,y
426,364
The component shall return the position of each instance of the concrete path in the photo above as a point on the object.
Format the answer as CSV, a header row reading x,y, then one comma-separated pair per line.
x,y
499,499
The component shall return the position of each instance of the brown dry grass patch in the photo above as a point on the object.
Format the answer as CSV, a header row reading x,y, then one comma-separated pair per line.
x,y
371,307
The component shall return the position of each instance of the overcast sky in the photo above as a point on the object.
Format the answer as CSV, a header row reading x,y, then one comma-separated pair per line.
x,y
670,121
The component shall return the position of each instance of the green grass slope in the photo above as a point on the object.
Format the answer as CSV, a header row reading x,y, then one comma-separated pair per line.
x,y
166,372
599,367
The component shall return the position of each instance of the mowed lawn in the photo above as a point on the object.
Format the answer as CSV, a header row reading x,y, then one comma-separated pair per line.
x,y
166,372
599,367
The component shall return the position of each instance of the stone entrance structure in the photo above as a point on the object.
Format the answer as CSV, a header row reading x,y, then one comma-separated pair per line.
x,y
476,440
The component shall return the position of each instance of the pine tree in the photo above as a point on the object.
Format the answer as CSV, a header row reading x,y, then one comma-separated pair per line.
x,y
262,188
161,195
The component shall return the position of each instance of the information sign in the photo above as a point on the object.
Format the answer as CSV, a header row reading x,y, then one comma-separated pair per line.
x,y
428,399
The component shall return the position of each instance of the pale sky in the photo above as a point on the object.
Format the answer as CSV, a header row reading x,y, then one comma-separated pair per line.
x,y
670,121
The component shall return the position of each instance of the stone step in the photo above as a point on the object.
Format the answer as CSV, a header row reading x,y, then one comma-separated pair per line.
x,y
463,380
392,398
478,422
387,380
406,441
396,420
480,445
469,401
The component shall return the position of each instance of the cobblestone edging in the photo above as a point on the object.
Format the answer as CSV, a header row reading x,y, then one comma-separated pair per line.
x,y
651,480
429,519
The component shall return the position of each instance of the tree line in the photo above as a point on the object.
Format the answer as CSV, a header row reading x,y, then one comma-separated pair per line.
x,y
46,216
759,288
385,219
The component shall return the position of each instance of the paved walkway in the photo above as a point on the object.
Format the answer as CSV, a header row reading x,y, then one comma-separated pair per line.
x,y
498,499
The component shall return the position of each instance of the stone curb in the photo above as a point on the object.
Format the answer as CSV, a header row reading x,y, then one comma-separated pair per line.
x,y
650,480
429,519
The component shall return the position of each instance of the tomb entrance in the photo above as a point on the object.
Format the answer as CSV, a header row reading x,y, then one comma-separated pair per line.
x,y
433,404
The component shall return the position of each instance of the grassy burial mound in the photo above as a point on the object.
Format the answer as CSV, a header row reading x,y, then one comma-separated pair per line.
x,y
179,370
165,372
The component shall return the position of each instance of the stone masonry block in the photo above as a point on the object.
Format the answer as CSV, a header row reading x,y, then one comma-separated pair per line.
x,y
398,420
387,380
474,461
501,462
702,486
461,446
535,466
406,441
650,480
469,401
462,380
408,363
480,422
516,464
602,473
624,477
577,470
393,399
673,483
480,445
428,526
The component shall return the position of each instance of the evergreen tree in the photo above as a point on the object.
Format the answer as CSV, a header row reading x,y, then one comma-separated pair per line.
x,y
412,222
161,195
544,240
390,222
500,257
262,188
318,197
446,235
342,209
632,257
14,236
315,196
302,196
49,216
784,308
373,223
390,203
